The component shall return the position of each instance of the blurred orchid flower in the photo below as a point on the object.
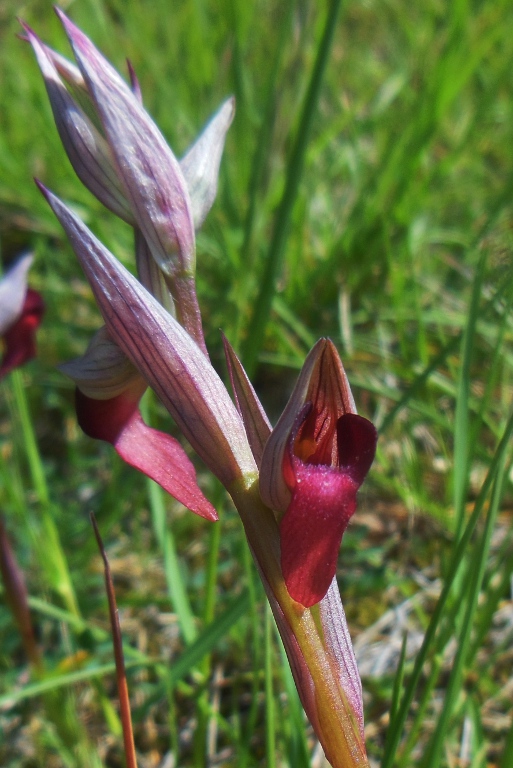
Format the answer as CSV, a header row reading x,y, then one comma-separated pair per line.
x,y
21,311
295,486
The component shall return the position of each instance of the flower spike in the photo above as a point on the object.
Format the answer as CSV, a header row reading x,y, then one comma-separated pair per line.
x,y
295,510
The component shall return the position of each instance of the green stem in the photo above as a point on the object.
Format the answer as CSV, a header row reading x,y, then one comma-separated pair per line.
x,y
55,566
270,729
326,702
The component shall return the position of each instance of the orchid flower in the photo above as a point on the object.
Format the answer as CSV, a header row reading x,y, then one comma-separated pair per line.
x,y
312,466
165,201
21,311
295,486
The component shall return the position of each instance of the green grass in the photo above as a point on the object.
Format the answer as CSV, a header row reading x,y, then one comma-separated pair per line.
x,y
365,194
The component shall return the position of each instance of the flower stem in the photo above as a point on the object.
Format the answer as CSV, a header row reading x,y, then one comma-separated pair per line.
x,y
325,701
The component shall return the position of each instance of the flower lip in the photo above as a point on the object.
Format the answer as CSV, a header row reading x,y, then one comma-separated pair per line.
x,y
323,498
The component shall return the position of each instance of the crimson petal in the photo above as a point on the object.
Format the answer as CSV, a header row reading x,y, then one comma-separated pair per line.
x,y
323,500
356,442
155,454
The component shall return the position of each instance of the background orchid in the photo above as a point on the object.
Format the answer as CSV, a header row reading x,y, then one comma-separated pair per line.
x,y
364,195
21,311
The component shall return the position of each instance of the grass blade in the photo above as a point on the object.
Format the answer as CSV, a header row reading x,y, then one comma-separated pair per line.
x,y
275,255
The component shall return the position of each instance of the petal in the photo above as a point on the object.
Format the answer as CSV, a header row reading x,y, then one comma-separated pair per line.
x,y
200,166
155,454
164,353
104,371
20,339
151,174
151,275
87,149
253,415
13,289
311,530
356,438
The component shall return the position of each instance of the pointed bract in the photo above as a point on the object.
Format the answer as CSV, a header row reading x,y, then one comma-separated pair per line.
x,y
200,165
87,149
256,423
338,645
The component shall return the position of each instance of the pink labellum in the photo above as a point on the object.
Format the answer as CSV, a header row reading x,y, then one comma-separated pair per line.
x,y
323,498
20,338
159,456
323,501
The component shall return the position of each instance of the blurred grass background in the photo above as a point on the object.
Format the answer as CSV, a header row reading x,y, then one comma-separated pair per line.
x,y
398,247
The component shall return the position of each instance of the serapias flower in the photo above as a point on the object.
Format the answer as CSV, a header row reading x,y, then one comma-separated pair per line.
x,y
21,311
107,397
312,467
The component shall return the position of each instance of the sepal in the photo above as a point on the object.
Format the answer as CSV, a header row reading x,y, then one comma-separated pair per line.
x,y
164,353
200,165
